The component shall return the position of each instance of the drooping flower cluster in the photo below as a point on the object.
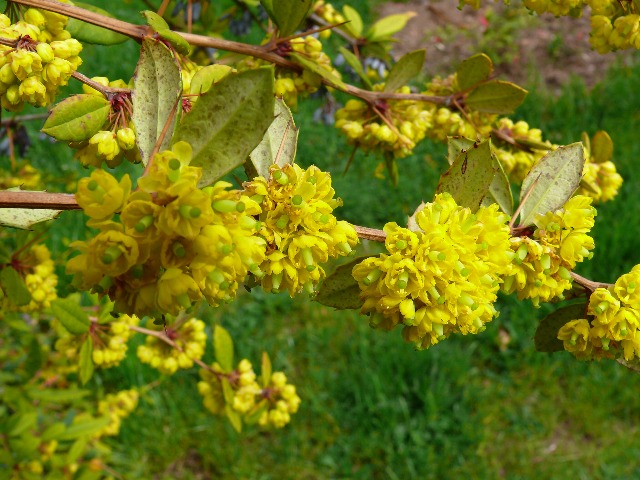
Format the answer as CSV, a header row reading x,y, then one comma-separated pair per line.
x,y
117,407
42,60
117,138
109,341
189,338
442,279
299,227
542,265
23,175
271,405
175,243
611,327
600,179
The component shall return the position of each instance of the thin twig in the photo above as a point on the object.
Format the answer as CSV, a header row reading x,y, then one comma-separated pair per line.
x,y
23,118
370,233
106,91
589,284
38,200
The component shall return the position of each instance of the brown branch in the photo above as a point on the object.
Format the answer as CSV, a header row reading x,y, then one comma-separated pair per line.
x,y
370,233
38,200
589,284
23,118
105,90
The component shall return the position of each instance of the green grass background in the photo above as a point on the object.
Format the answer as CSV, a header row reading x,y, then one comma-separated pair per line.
x,y
372,407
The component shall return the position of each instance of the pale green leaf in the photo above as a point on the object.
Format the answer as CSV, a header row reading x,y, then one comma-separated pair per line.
x,y
207,76
406,69
84,428
155,21
500,189
232,415
279,142
176,40
496,96
25,218
601,147
14,287
20,423
223,348
266,370
77,118
88,33
473,70
386,27
456,145
77,450
551,182
228,122
340,290
288,15
546,338
469,177
324,73
157,88
354,27
71,315
86,360
50,395
227,391
354,63
53,431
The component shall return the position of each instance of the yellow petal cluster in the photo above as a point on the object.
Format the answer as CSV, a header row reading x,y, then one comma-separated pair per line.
x,y
117,407
441,279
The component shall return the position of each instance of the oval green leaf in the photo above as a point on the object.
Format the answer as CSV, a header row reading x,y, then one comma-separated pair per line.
x,y
354,63
155,21
469,177
324,73
234,418
288,15
266,370
207,76
601,147
71,315
223,348
228,122
340,290
386,27
86,360
89,33
473,70
546,338
14,287
157,87
551,182
25,218
279,142
354,27
496,96
176,40
77,118
85,428
407,68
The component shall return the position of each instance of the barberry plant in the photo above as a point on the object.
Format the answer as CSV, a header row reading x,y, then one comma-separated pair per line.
x,y
185,230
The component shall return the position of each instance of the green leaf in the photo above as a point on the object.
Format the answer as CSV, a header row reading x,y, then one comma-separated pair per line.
x,y
551,182
232,415
207,76
288,15
457,145
223,348
546,338
473,70
227,391
354,27
340,290
228,122
176,40
20,423
88,33
354,63
469,177
407,68
386,27
14,287
496,96
279,142
157,88
86,360
71,315
15,321
85,428
53,431
77,450
34,357
49,395
312,66
500,189
155,21
601,147
266,370
77,118
25,218
253,417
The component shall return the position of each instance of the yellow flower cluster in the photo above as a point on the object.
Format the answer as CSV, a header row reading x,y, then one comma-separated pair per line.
x,y
611,328
601,181
109,341
175,243
117,138
329,14
283,401
442,279
39,278
24,176
555,7
42,60
274,404
290,84
612,28
542,265
299,227
190,339
517,162
117,407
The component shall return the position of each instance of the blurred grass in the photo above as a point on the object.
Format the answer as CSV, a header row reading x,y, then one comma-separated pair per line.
x,y
478,407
